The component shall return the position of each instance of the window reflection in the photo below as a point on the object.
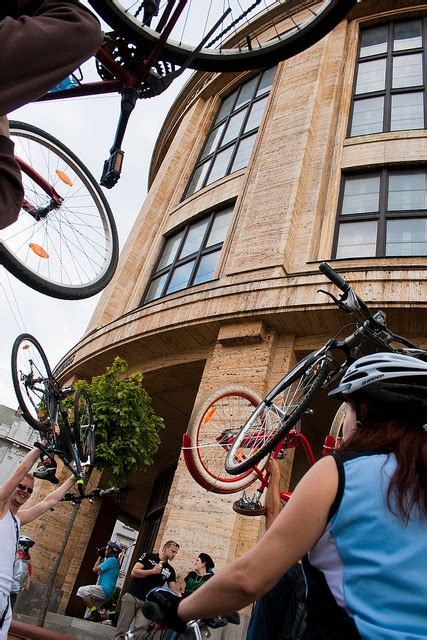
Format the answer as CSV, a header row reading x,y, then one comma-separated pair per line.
x,y
190,256
228,146
383,214
390,66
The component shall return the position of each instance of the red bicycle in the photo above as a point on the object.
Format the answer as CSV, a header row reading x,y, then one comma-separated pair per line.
x,y
65,241
212,431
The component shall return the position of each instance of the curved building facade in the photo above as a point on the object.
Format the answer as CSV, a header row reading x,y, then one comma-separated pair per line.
x,y
257,178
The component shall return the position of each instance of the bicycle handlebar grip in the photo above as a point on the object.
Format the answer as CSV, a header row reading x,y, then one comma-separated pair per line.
x,y
334,277
153,611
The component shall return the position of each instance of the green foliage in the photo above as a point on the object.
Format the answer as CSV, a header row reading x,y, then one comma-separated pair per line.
x,y
126,427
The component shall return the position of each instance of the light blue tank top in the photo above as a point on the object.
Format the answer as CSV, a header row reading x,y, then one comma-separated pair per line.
x,y
374,564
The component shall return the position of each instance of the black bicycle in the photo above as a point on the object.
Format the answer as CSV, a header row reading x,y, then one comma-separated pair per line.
x,y
284,405
68,433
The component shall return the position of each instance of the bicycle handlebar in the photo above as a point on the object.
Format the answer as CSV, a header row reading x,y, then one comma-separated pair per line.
x,y
334,277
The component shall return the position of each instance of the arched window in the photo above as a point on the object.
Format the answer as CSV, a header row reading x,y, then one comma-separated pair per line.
x,y
230,140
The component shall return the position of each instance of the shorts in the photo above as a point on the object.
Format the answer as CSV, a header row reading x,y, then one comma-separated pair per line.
x,y
94,592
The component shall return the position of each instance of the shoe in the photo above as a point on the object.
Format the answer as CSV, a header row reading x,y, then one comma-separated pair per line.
x,y
94,616
44,472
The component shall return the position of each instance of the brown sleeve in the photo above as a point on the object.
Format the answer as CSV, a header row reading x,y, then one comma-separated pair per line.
x,y
11,190
43,45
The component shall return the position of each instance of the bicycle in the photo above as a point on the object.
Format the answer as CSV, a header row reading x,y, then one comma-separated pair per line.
x,y
70,252
205,459
231,437
41,398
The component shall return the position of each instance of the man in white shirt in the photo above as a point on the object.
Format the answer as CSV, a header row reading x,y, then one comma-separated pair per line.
x,y
14,493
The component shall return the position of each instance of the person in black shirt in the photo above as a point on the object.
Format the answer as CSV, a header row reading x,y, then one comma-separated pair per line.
x,y
151,570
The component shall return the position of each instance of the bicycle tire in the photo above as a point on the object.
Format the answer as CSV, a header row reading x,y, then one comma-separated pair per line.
x,y
31,397
265,428
295,27
221,413
84,428
70,252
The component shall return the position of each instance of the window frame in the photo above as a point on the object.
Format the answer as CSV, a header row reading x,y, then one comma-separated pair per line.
x,y
382,216
388,92
235,142
195,256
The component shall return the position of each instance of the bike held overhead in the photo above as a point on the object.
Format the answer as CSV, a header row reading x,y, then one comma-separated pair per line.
x,y
358,517
69,434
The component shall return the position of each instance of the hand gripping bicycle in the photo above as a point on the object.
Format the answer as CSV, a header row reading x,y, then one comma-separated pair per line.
x,y
71,437
158,607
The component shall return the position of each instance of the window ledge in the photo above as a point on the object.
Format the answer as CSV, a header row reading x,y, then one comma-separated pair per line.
x,y
384,137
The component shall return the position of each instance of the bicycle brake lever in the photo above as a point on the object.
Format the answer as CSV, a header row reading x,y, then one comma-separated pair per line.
x,y
331,295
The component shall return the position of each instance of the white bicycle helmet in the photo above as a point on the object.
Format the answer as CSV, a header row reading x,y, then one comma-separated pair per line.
x,y
379,367
25,541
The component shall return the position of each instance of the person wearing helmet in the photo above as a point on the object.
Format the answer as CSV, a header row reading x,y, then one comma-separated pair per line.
x,y
107,567
358,517
22,568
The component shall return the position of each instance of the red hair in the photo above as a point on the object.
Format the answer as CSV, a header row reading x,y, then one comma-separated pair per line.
x,y
408,442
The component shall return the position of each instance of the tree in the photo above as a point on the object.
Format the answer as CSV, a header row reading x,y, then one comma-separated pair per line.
x,y
126,426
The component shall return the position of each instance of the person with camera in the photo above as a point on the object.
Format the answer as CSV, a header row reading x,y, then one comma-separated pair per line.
x,y
107,567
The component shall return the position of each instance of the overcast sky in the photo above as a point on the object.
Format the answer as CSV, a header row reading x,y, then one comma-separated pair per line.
x,y
87,127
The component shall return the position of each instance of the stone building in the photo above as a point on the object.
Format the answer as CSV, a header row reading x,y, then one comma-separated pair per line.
x,y
256,178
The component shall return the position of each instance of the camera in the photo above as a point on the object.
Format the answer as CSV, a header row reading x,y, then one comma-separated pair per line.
x,y
101,551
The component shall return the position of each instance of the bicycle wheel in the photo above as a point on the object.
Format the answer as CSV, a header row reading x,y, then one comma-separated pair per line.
x,y
212,429
249,34
84,428
277,414
64,243
32,381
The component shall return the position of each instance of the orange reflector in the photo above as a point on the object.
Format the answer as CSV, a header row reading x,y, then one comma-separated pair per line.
x,y
63,176
38,250
240,455
209,415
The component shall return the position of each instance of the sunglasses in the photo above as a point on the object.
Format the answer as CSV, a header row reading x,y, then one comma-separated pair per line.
x,y
23,487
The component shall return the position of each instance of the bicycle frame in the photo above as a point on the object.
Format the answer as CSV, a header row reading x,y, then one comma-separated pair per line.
x,y
55,199
56,410
129,82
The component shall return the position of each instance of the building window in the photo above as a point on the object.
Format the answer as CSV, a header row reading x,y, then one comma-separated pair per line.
x,y
231,138
383,214
190,256
389,92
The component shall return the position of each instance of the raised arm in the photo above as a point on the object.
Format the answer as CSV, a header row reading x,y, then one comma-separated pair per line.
x,y
17,476
27,515
273,504
293,533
